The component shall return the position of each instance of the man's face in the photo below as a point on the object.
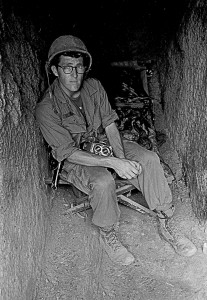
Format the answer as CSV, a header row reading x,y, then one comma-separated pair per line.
x,y
71,82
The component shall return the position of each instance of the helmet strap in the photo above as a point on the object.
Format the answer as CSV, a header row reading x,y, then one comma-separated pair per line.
x,y
48,79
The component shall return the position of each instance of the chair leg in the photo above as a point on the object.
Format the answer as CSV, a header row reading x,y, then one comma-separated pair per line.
x,y
121,192
77,193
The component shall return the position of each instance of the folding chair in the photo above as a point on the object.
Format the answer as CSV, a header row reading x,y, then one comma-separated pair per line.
x,y
124,190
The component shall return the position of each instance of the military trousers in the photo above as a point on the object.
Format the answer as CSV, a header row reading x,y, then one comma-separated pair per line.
x,y
99,184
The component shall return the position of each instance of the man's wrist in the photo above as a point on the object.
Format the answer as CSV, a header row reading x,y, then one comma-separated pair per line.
x,y
121,156
111,161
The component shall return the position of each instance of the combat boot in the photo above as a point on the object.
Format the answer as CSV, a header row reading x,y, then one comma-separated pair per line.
x,y
114,248
181,244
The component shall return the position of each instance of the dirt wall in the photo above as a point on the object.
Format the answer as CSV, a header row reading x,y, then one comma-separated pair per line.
x,y
182,79
24,200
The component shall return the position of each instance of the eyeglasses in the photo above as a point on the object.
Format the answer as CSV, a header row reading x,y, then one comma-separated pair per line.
x,y
80,69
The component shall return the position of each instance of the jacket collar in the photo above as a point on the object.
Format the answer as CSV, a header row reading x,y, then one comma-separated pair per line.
x,y
86,92
87,89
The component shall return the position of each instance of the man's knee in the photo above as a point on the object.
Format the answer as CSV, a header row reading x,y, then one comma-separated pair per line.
x,y
138,153
104,182
146,157
152,156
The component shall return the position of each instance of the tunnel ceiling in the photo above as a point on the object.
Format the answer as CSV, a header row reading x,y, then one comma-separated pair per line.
x,y
116,29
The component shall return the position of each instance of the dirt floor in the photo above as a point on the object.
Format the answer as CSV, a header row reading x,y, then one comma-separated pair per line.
x,y
76,268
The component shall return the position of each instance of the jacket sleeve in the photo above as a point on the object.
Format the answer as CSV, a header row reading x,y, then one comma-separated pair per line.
x,y
108,115
55,135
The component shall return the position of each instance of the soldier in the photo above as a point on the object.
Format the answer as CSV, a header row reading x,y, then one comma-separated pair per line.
x,y
75,111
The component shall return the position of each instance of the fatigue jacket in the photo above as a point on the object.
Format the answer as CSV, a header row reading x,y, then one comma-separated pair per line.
x,y
62,124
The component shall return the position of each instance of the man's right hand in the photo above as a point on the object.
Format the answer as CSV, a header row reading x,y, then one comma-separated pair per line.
x,y
127,169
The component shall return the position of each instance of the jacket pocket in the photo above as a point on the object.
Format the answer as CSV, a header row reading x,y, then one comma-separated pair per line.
x,y
74,124
67,115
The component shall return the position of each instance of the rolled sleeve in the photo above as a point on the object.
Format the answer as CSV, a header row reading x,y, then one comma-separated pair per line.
x,y
110,118
55,135
107,113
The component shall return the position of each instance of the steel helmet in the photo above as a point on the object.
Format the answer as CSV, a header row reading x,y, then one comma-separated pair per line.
x,y
67,43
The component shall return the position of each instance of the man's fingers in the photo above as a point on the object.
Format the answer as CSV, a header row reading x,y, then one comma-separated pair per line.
x,y
128,175
132,174
130,170
137,165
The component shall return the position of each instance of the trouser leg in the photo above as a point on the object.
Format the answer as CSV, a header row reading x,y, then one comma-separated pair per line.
x,y
155,188
151,181
99,185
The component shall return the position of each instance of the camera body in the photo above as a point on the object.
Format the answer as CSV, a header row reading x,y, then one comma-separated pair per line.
x,y
99,148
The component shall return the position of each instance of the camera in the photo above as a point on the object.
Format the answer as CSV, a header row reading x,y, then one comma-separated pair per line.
x,y
99,148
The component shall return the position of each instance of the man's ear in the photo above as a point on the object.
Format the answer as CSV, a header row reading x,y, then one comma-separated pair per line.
x,y
54,70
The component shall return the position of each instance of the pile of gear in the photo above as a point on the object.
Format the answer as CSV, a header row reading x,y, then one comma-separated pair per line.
x,y
136,116
136,119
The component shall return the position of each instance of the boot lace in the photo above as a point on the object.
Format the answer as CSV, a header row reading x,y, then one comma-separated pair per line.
x,y
112,240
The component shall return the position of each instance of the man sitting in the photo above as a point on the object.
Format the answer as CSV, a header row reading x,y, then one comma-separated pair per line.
x,y
75,111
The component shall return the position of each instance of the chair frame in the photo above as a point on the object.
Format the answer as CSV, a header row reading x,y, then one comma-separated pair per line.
x,y
123,192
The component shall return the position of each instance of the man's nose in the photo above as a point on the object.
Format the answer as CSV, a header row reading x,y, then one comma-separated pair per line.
x,y
74,72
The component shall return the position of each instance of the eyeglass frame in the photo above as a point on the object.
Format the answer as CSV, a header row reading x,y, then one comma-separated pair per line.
x,y
76,68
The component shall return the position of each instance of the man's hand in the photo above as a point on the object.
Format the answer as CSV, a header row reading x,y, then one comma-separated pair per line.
x,y
127,169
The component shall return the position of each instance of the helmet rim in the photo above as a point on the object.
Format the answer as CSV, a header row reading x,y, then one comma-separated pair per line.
x,y
67,43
